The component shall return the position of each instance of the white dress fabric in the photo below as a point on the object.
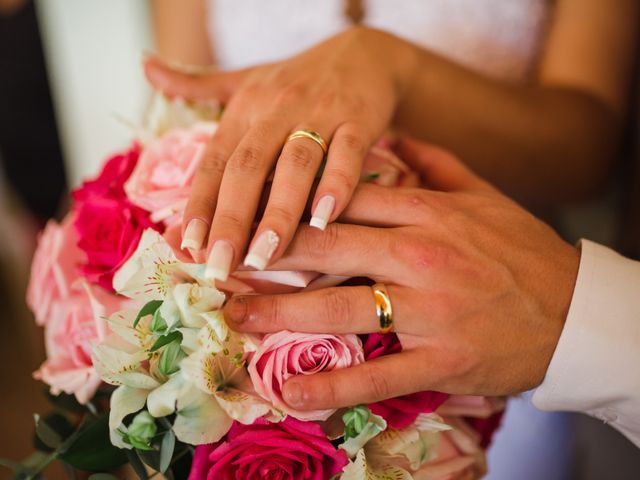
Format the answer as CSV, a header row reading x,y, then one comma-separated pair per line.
x,y
500,38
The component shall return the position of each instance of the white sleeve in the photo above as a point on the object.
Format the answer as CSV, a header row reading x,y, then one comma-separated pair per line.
x,y
595,368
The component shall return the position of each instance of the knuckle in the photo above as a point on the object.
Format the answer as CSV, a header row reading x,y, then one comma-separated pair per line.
x,y
354,141
282,215
328,393
340,179
318,244
248,160
378,383
337,305
299,155
276,309
200,205
414,251
227,221
213,163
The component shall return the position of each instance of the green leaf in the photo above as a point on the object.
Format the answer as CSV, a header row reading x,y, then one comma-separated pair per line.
x,y
66,402
158,324
170,359
48,435
148,309
370,176
165,339
150,457
10,464
91,450
355,420
166,450
141,430
137,464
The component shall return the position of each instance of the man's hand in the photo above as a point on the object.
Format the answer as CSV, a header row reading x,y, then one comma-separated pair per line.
x,y
480,289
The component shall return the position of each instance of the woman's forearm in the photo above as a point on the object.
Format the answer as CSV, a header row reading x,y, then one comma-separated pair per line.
x,y
541,144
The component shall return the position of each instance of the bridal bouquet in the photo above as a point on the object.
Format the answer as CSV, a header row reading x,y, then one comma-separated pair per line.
x,y
145,372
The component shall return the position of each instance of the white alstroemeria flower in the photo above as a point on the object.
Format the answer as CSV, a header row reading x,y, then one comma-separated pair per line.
x,y
359,469
412,446
375,425
186,303
223,376
398,452
124,400
139,338
153,270
165,114
199,417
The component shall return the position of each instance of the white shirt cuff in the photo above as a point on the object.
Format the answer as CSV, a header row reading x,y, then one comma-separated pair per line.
x,y
595,368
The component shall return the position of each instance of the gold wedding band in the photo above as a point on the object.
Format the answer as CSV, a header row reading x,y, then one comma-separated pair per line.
x,y
310,134
383,307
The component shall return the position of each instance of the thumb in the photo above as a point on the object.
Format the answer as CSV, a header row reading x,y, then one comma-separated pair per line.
x,y
439,169
190,85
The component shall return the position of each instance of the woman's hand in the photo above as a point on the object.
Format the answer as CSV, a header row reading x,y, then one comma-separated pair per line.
x,y
346,89
480,289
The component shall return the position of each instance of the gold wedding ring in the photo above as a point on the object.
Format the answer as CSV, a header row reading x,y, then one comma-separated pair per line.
x,y
383,307
310,134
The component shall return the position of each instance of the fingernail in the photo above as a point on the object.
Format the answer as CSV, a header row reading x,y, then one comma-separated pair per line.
x,y
219,261
194,234
236,310
293,394
262,250
323,212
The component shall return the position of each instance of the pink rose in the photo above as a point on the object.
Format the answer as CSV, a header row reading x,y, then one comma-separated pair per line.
x,y
289,450
161,181
399,412
483,414
459,455
54,267
109,226
75,323
285,354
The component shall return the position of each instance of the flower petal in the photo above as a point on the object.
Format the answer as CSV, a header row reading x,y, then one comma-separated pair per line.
x,y
359,469
200,419
124,400
374,426
162,401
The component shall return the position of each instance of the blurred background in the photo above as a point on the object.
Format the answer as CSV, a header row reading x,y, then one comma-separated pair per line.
x,y
71,90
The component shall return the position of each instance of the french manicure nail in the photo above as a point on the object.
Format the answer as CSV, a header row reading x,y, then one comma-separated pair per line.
x,y
262,250
219,261
323,212
194,234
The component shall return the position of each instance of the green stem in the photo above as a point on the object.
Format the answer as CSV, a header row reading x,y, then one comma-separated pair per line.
x,y
44,464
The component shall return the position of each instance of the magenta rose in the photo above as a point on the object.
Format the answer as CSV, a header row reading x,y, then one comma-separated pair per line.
x,y
114,174
399,412
282,355
109,226
289,450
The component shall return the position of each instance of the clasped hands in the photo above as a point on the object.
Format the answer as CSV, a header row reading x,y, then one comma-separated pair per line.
x,y
480,288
